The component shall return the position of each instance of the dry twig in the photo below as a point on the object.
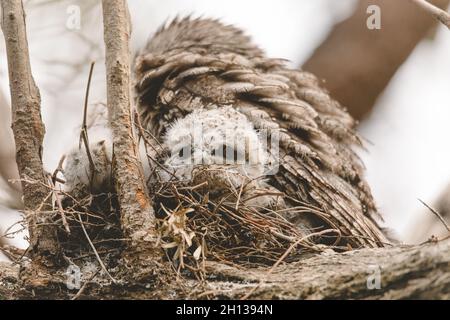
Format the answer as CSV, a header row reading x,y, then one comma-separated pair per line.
x,y
84,130
437,214
102,265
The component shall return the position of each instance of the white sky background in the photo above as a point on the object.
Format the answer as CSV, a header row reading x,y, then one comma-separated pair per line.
x,y
410,131
410,154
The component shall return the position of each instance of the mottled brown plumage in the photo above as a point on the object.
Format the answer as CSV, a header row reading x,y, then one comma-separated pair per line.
x,y
194,64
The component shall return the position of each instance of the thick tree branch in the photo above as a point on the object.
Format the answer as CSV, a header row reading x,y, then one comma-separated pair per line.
x,y
357,63
28,128
136,211
405,272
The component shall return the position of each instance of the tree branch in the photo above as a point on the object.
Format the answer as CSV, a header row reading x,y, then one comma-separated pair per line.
x,y
439,14
28,129
405,272
136,210
357,63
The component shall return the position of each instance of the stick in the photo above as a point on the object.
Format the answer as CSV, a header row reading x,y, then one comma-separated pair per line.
x,y
84,130
58,170
79,293
56,195
102,265
437,214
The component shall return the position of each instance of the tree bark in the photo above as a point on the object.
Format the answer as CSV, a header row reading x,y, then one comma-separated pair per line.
x,y
405,272
137,217
357,63
28,131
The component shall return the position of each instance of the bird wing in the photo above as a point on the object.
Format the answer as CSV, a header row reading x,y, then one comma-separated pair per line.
x,y
317,164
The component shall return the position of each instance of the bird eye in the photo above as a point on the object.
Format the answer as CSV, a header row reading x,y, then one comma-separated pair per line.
x,y
185,152
236,155
225,150
229,153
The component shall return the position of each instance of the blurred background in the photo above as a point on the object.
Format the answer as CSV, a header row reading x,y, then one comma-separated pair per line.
x,y
395,80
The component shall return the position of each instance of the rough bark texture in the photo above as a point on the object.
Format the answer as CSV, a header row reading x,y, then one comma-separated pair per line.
x,y
406,272
141,259
28,128
357,63
136,211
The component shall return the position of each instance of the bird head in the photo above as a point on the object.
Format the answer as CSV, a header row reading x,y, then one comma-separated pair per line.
x,y
218,146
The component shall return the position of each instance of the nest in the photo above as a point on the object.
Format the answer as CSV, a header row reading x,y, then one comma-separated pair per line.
x,y
91,228
193,229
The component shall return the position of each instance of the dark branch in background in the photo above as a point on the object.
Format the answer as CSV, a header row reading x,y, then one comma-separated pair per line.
x,y
137,218
28,130
439,14
357,63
